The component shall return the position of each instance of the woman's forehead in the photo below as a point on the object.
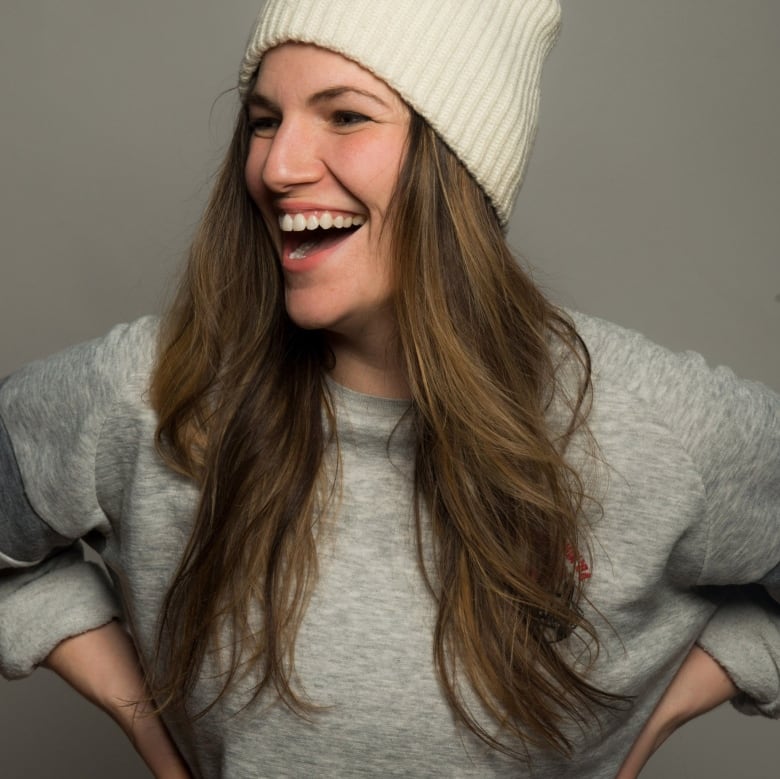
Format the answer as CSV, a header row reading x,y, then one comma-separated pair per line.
x,y
317,67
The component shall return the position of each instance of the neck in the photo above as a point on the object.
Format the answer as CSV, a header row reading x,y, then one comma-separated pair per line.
x,y
369,368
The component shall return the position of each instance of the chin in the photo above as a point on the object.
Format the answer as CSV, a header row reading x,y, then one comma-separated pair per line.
x,y
310,318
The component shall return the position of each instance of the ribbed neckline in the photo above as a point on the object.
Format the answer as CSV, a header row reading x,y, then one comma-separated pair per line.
x,y
369,405
367,420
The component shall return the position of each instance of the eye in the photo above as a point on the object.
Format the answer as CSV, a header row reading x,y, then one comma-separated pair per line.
x,y
349,118
263,126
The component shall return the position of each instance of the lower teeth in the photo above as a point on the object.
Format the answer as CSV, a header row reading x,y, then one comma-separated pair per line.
x,y
303,250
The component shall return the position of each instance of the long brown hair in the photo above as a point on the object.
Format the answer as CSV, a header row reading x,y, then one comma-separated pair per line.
x,y
240,393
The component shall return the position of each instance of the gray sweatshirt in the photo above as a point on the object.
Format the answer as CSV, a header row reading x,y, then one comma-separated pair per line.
x,y
690,491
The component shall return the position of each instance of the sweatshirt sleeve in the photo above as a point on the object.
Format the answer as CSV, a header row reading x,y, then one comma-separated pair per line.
x,y
743,545
743,636
51,417
730,431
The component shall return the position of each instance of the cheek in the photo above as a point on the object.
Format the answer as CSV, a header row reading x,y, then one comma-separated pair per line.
x,y
369,169
253,173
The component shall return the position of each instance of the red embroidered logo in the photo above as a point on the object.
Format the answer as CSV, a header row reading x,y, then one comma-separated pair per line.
x,y
580,566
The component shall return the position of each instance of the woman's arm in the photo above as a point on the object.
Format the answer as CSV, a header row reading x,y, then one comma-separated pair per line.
x,y
103,666
698,687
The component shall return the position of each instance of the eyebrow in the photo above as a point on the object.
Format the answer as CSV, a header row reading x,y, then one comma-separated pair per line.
x,y
334,92
260,101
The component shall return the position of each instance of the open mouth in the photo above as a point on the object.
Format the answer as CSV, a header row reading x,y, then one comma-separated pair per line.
x,y
306,234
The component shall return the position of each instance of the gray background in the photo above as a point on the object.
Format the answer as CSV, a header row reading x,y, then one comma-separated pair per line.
x,y
653,199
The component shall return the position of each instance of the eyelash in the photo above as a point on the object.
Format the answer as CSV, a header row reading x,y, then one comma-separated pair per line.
x,y
348,118
266,125
263,125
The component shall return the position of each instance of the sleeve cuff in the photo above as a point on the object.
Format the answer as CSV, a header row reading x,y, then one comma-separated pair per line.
x,y
743,636
43,610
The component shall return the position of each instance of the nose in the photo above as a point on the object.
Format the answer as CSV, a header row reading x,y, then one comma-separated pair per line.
x,y
293,157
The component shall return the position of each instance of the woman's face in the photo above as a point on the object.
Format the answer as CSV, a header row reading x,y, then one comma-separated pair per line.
x,y
328,141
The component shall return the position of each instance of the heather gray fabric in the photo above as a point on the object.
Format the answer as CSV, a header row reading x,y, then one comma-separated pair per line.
x,y
690,492
21,526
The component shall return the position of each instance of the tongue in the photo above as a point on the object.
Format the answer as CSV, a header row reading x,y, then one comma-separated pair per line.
x,y
299,246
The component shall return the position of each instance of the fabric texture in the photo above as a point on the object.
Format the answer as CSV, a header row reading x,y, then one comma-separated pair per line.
x,y
471,67
690,491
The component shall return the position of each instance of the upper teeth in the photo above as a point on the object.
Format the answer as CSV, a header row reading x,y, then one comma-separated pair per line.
x,y
299,222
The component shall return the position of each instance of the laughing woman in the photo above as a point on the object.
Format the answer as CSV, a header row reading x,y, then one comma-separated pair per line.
x,y
370,503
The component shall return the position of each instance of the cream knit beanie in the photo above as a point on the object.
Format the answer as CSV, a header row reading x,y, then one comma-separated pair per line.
x,y
470,67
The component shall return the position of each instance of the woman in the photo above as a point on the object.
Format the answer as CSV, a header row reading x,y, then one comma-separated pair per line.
x,y
325,503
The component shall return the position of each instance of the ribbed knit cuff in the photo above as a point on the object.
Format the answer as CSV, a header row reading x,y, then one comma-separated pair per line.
x,y
41,608
744,638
